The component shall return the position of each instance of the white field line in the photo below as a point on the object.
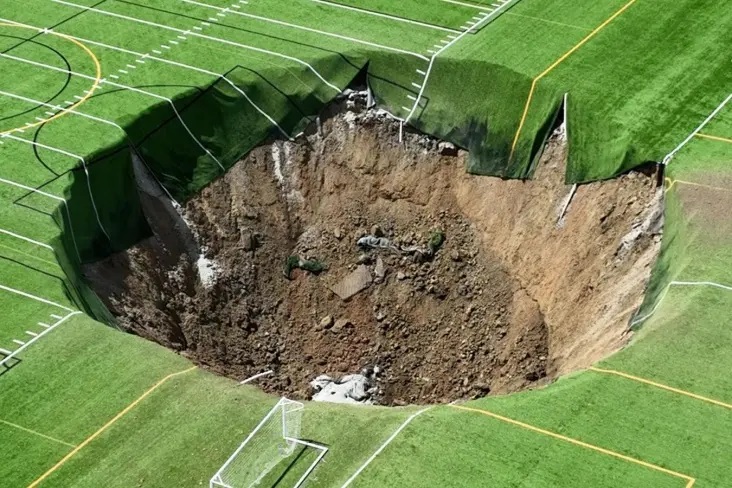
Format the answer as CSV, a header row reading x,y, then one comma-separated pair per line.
x,y
29,255
678,283
142,57
486,17
204,36
169,62
87,116
20,427
678,148
471,5
387,16
71,155
37,338
259,375
105,81
383,446
38,299
26,239
53,197
308,29
323,451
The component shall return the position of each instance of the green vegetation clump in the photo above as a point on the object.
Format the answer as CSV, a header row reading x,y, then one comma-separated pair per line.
x,y
294,262
437,239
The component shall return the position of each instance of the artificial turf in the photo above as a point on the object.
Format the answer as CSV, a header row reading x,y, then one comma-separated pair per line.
x,y
636,89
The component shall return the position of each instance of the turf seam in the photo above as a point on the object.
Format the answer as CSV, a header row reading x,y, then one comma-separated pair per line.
x,y
586,29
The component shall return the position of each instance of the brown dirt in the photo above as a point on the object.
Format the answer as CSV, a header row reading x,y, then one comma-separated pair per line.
x,y
508,301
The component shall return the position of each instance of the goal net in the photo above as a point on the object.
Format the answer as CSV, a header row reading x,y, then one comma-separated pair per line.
x,y
274,439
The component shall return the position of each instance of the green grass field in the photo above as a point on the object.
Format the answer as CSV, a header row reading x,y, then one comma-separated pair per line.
x,y
192,86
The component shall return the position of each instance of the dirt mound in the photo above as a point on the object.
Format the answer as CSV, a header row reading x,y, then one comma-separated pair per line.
x,y
468,286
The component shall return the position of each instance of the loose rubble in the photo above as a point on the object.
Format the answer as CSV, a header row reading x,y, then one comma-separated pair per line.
x,y
389,259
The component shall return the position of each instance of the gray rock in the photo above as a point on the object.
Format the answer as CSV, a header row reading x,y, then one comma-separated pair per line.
x,y
353,283
326,322
379,270
376,231
341,324
447,149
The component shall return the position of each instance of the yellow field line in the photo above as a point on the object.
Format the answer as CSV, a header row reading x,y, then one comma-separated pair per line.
x,y
106,426
671,184
663,387
714,138
20,427
689,480
557,63
87,95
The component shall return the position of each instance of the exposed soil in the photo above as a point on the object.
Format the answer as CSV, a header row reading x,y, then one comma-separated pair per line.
x,y
509,300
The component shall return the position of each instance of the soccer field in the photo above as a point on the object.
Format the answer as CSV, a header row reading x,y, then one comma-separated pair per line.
x,y
188,87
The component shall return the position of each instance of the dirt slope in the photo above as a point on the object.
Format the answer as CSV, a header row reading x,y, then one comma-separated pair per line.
x,y
508,300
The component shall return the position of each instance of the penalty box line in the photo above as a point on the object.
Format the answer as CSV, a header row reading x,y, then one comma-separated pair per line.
x,y
383,446
556,63
661,386
671,183
713,138
689,479
111,422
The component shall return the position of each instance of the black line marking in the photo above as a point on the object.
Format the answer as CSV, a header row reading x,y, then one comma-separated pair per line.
x,y
51,27
66,83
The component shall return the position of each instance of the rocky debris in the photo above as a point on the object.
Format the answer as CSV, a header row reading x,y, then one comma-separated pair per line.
x,y
249,241
341,324
355,282
649,223
440,316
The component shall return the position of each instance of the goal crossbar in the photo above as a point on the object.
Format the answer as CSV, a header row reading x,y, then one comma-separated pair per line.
x,y
280,429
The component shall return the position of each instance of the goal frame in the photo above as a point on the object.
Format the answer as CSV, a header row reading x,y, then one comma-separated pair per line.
x,y
217,480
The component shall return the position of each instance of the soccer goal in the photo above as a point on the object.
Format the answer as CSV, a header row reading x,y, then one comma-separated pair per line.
x,y
271,442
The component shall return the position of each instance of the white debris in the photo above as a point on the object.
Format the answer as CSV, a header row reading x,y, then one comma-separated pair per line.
x,y
350,119
351,389
207,271
277,158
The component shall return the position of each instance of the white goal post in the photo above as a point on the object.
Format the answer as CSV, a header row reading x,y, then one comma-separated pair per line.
x,y
272,441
